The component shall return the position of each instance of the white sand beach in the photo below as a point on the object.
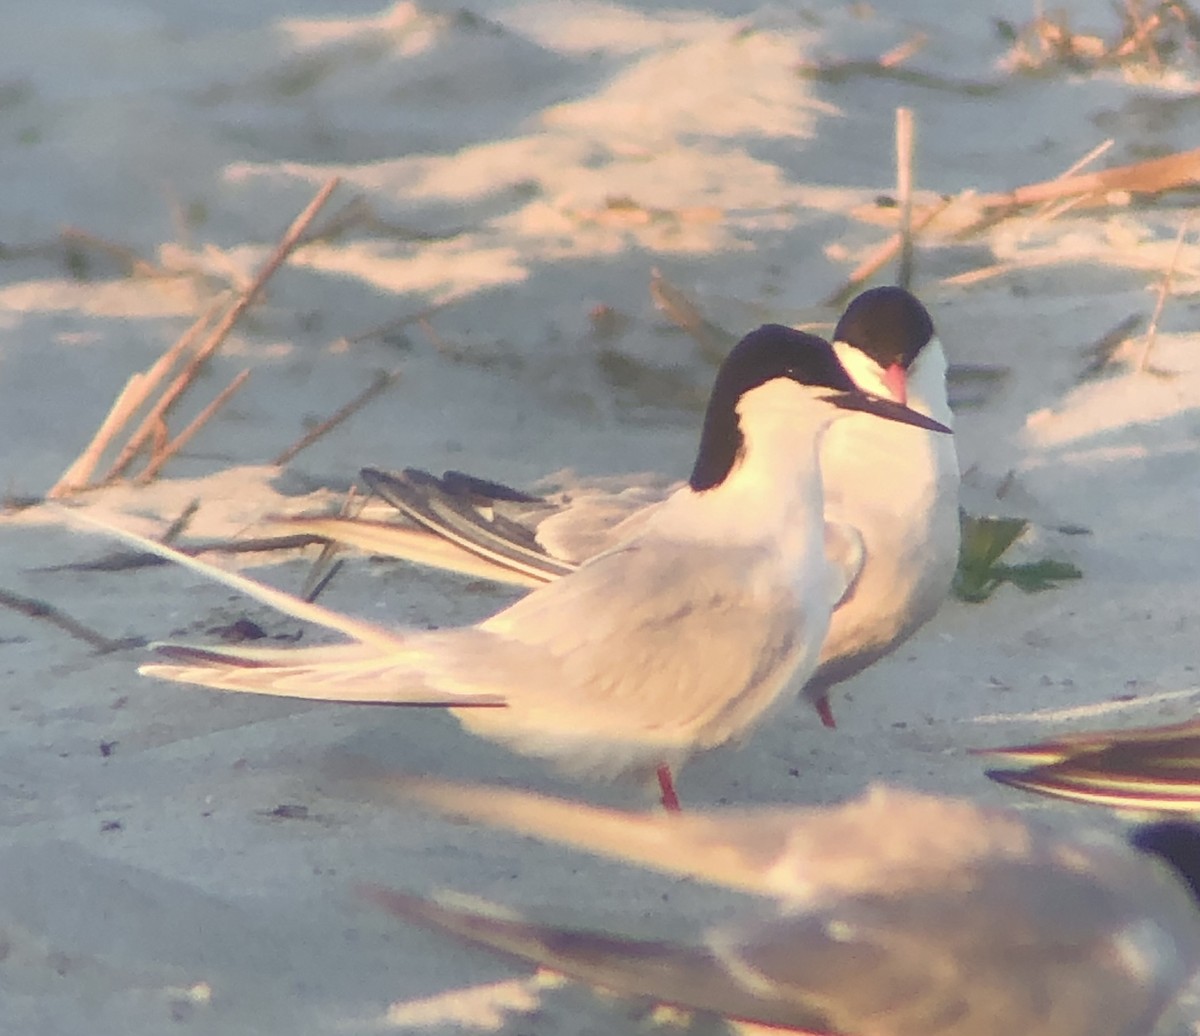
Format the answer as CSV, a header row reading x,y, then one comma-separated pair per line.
x,y
173,859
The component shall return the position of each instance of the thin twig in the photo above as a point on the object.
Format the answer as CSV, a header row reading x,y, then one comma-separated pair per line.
x,y
903,51
324,568
983,273
383,330
1051,209
904,191
252,545
175,529
125,560
358,213
1164,289
439,343
874,68
714,342
1088,159
36,609
883,255
383,380
1101,351
168,450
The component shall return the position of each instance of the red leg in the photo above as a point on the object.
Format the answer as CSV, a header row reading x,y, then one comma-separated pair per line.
x,y
670,801
825,712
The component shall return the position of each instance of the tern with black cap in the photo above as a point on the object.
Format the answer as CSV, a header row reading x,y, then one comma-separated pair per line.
x,y
891,502
678,640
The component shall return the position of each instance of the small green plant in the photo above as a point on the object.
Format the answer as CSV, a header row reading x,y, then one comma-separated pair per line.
x,y
980,571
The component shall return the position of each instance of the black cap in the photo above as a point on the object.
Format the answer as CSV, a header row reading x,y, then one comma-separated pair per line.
x,y
889,324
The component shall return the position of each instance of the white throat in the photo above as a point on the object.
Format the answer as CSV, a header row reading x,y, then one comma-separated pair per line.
x,y
926,378
774,486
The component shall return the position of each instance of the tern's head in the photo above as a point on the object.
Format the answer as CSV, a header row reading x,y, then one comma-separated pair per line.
x,y
887,343
768,369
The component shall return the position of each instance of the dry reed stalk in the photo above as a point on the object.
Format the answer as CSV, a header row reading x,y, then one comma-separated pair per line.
x,y
398,324
1051,210
181,522
137,265
382,381
168,450
714,342
131,399
439,343
1101,351
324,568
1164,289
126,560
1151,176
1068,190
78,475
139,388
904,192
903,51
997,214
36,609
226,324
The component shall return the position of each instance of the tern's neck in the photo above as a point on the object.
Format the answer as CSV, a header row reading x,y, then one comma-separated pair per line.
x,y
774,486
927,384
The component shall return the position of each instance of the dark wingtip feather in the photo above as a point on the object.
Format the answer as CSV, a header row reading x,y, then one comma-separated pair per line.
x,y
208,656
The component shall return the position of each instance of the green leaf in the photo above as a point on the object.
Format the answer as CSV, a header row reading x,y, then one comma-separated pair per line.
x,y
980,573
1036,576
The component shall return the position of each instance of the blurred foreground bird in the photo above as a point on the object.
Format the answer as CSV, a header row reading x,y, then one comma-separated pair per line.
x,y
898,914
680,639
891,502
1153,769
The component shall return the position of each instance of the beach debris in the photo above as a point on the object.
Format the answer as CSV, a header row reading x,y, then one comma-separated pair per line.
x,y
1108,186
1150,37
625,211
151,435
893,65
1112,187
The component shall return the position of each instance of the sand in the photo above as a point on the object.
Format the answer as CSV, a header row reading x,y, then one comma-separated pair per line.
x,y
171,857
